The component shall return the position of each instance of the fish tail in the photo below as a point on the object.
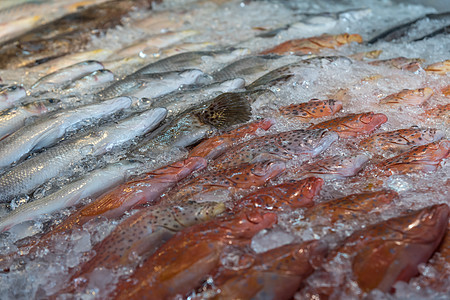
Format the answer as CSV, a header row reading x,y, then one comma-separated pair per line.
x,y
226,110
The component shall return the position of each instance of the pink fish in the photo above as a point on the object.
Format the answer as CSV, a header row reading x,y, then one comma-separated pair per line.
x,y
408,97
335,166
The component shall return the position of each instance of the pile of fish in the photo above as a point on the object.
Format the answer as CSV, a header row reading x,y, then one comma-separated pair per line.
x,y
224,150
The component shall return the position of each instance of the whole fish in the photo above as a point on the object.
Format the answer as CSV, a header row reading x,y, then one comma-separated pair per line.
x,y
65,75
33,172
441,111
400,140
314,108
90,185
68,34
281,146
47,131
14,118
408,97
275,274
197,122
10,95
145,232
229,182
335,167
440,68
290,195
89,82
215,146
152,85
313,45
390,251
353,125
402,63
183,262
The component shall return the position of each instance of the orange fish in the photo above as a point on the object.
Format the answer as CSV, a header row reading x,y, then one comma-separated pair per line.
x,y
402,63
182,263
313,45
353,125
446,91
441,111
275,274
290,195
440,68
314,108
400,140
217,145
408,97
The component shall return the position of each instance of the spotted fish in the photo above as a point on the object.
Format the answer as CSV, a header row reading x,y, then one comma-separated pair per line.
x,y
408,97
284,145
353,125
314,108
335,167
441,112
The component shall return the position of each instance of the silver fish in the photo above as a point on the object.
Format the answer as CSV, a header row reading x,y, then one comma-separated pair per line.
x,y
28,175
49,130
244,67
10,95
91,81
91,185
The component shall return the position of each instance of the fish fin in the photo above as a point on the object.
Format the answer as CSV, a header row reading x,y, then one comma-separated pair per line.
x,y
226,110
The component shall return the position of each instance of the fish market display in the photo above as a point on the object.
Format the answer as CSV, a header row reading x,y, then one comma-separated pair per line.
x,y
226,149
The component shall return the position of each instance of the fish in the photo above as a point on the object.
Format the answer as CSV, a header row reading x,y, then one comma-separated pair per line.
x,y
186,47
425,158
64,76
68,34
209,185
439,68
400,140
152,85
402,63
446,91
90,185
281,146
145,232
196,123
200,246
49,130
289,195
313,45
10,29
89,82
244,67
11,95
12,119
441,111
31,173
314,108
353,125
334,167
275,274
361,56
215,146
409,97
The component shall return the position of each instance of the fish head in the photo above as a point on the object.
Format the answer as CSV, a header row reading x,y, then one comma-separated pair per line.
x,y
371,121
179,170
247,223
192,212
42,106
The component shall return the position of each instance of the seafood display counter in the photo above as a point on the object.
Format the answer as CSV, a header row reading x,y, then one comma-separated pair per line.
x,y
224,149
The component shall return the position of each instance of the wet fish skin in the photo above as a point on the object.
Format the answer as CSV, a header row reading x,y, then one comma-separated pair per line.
x,y
205,187
400,140
33,172
402,63
14,118
408,97
275,274
314,108
441,111
49,130
91,185
10,95
283,145
90,81
439,68
290,195
244,67
215,146
353,125
145,232
335,167
200,245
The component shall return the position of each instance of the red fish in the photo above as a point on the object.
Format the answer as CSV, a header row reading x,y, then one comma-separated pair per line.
x,y
313,45
280,146
291,195
335,166
208,185
314,108
440,68
408,97
182,263
353,125
275,274
215,146
139,236
402,63
400,140
387,252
